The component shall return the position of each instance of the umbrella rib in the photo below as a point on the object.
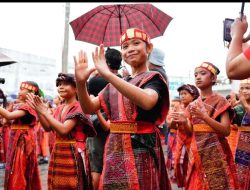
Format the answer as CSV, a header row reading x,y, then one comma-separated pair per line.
x,y
111,13
126,18
148,16
99,11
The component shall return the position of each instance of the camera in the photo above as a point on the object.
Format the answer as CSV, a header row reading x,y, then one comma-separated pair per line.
x,y
2,80
227,29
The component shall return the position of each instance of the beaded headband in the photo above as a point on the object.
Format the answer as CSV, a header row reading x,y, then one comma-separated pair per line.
x,y
25,85
210,67
134,33
245,81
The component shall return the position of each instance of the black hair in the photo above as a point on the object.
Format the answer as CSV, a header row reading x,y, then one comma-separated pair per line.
x,y
113,58
66,77
237,97
228,96
2,96
191,90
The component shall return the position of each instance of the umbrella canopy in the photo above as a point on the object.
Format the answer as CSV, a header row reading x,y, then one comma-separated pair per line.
x,y
5,60
105,23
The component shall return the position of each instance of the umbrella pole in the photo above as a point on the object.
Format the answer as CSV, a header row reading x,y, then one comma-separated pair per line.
x,y
242,10
246,39
119,9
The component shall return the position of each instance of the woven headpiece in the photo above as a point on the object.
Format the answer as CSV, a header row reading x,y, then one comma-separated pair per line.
x,y
245,81
210,67
66,77
25,85
134,33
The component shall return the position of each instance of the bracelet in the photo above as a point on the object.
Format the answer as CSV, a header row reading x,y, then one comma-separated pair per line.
x,y
247,53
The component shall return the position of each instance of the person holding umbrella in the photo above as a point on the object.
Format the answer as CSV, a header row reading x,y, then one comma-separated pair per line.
x,y
135,105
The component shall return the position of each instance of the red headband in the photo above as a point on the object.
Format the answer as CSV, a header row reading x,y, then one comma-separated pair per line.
x,y
210,68
133,33
28,86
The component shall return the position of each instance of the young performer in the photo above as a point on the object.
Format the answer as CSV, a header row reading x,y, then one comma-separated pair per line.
x,y
242,119
211,164
69,166
133,157
171,139
21,170
188,93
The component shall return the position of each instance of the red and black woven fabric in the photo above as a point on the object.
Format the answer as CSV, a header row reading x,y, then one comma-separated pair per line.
x,y
105,23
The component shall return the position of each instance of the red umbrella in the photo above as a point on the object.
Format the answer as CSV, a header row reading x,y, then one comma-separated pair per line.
x,y
5,60
105,23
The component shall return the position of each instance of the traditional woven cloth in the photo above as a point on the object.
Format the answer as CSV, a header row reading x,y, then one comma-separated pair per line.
x,y
233,139
242,156
171,147
181,157
21,166
2,159
69,166
132,161
211,164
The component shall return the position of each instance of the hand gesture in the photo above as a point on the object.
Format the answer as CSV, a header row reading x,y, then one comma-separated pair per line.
x,y
100,61
36,103
178,117
242,99
198,111
82,71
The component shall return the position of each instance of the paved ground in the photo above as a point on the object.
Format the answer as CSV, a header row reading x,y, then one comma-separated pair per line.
x,y
43,173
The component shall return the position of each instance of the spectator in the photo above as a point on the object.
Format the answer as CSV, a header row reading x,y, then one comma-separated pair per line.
x,y
156,62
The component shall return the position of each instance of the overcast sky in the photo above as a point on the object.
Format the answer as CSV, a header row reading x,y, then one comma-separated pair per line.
x,y
194,35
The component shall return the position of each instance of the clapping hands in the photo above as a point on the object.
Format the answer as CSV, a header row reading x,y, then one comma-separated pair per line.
x,y
36,103
197,111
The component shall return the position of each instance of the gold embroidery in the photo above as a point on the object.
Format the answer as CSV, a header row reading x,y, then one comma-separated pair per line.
x,y
203,128
19,127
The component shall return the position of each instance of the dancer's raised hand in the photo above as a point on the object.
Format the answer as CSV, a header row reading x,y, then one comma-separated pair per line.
x,y
82,70
100,62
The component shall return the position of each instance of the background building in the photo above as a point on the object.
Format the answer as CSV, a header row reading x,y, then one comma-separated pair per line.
x,y
28,67
43,70
223,85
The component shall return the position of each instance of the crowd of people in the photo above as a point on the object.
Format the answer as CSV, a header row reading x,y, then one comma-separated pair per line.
x,y
104,129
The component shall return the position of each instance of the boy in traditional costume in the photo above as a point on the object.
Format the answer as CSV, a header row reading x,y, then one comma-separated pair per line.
x,y
135,105
69,165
